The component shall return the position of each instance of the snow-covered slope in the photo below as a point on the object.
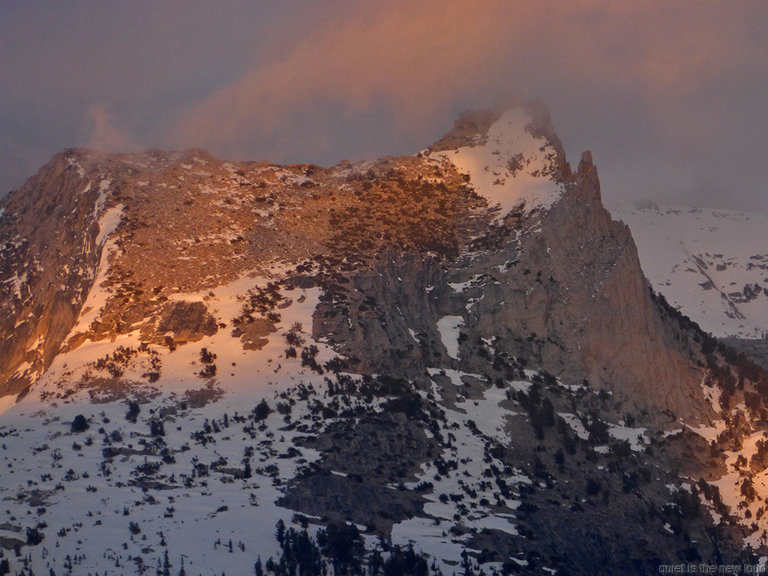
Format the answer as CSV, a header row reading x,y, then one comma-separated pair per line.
x,y
710,264
509,166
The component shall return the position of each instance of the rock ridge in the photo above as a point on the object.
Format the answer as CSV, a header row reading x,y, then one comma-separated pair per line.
x,y
556,284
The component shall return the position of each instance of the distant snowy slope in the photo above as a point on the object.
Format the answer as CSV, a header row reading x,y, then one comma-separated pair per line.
x,y
710,264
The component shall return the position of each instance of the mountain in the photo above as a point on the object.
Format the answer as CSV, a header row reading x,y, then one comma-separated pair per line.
x,y
442,363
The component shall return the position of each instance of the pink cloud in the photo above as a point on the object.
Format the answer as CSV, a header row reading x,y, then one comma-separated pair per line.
x,y
419,58
405,54
104,135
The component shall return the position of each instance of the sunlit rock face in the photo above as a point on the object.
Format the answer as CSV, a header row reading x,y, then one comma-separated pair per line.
x,y
50,247
459,344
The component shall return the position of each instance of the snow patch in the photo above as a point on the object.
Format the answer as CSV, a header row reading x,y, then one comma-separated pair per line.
x,y
575,423
635,436
512,168
449,328
709,433
454,375
108,223
17,282
6,403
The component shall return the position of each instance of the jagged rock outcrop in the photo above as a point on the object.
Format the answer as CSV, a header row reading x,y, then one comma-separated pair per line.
x,y
187,321
578,293
563,288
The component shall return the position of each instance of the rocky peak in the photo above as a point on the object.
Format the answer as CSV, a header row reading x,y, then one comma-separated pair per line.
x,y
127,235
469,129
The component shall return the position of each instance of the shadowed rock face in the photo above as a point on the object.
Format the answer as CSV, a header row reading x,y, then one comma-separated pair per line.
x,y
588,309
387,241
562,288
367,457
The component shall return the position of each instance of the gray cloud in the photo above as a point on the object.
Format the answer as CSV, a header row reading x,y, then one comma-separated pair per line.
x,y
670,97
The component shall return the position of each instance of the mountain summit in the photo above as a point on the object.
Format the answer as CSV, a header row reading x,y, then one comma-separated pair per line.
x,y
424,360
126,238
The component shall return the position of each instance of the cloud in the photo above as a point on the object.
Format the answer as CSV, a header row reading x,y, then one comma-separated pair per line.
x,y
669,96
104,135
399,56
414,63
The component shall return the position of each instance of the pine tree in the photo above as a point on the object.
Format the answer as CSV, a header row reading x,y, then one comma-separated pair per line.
x,y
166,564
466,564
280,532
375,563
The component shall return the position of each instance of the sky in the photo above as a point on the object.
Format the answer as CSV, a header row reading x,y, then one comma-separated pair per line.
x,y
670,96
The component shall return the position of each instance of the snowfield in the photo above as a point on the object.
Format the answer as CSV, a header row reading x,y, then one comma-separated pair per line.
x,y
511,167
710,264
116,474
